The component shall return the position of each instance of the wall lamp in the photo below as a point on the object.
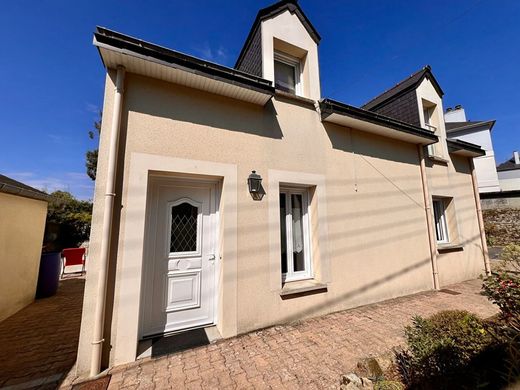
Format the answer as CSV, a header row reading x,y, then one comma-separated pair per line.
x,y
254,182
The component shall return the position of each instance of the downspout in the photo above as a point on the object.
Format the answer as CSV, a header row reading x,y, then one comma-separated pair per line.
x,y
99,314
485,252
429,222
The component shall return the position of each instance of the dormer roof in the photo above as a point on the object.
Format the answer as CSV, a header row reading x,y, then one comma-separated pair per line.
x,y
402,87
271,11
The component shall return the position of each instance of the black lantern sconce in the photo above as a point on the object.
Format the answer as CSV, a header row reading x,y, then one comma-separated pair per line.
x,y
254,181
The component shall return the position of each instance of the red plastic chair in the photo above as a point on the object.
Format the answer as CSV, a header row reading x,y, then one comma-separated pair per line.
x,y
73,256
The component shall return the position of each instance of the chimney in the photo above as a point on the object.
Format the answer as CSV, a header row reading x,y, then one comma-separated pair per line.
x,y
516,157
456,114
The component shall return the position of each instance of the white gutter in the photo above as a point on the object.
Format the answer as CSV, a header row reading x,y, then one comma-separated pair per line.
x,y
429,221
483,242
99,314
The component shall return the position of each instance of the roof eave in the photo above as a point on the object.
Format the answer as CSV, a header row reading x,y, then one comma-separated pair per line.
x,y
490,124
127,47
463,148
368,121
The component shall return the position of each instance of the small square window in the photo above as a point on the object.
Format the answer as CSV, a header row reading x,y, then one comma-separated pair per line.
x,y
441,227
287,73
294,234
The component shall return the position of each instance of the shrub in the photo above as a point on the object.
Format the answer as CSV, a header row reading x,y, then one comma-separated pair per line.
x,y
503,286
503,289
447,350
388,385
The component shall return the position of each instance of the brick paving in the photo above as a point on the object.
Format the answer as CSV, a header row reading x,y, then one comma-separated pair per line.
x,y
39,343
311,354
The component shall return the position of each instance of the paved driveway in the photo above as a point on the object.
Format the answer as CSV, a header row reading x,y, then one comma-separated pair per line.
x,y
39,343
309,355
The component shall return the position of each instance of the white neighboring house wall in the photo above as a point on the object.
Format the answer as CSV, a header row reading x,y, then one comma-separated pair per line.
x,y
485,166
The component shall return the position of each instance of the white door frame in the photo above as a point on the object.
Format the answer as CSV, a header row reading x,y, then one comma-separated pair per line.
x,y
149,248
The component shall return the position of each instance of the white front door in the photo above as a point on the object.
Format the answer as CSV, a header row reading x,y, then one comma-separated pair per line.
x,y
180,260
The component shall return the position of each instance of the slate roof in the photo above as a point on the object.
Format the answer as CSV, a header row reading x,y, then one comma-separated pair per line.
x,y
402,87
271,11
509,165
452,127
13,187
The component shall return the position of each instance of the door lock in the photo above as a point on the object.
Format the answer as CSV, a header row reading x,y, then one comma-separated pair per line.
x,y
211,258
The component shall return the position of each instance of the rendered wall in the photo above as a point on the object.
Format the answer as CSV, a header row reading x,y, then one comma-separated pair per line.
x,y
22,224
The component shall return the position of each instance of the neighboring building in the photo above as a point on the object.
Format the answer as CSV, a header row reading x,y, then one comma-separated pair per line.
x,y
509,173
478,133
23,211
354,212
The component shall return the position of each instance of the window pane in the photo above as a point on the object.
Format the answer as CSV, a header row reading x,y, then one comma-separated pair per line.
x,y
297,232
284,76
184,228
283,233
438,212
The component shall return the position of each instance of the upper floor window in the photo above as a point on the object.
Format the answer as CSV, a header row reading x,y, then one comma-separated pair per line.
x,y
287,73
431,123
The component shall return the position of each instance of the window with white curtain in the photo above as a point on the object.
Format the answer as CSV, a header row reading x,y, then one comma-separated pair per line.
x,y
294,234
441,227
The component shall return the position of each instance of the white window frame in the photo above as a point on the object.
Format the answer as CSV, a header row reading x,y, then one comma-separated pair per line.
x,y
296,64
441,226
427,115
292,275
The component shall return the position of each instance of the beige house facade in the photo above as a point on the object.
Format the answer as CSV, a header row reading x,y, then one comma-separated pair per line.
x,y
355,206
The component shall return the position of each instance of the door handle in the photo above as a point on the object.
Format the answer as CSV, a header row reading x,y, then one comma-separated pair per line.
x,y
211,258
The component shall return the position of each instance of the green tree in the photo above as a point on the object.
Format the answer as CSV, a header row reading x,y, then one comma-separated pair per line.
x,y
92,155
68,221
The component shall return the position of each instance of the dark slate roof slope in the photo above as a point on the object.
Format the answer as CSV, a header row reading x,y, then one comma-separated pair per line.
x,y
402,87
271,11
14,187
509,165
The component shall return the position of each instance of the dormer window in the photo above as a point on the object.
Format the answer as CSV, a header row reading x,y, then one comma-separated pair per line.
x,y
287,73
431,123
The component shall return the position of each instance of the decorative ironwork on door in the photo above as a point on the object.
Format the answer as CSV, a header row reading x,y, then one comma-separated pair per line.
x,y
184,228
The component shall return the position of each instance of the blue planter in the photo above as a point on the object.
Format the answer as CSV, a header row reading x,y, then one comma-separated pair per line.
x,y
49,275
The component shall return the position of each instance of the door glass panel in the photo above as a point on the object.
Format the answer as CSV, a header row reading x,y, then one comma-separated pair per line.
x,y
297,232
283,232
184,228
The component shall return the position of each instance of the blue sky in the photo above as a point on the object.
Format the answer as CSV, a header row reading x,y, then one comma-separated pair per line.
x,y
51,77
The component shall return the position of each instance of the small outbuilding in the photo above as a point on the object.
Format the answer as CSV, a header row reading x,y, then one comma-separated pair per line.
x,y
23,210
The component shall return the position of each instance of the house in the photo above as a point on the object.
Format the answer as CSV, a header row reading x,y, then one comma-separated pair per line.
x,y
238,198
509,179
479,133
23,210
509,173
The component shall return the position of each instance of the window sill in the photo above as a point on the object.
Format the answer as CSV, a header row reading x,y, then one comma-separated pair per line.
x,y
290,96
302,287
438,159
444,248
